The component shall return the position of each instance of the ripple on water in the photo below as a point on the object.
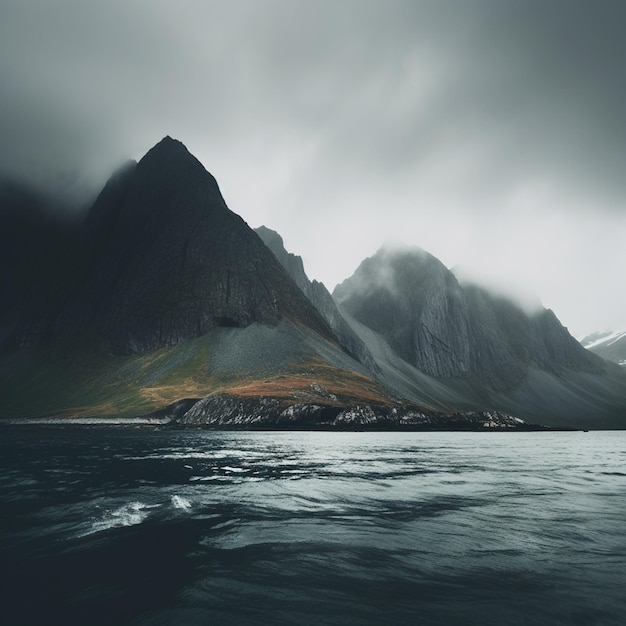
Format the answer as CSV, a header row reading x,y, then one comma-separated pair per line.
x,y
129,514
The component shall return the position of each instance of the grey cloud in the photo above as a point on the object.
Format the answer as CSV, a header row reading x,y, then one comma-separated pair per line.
x,y
521,74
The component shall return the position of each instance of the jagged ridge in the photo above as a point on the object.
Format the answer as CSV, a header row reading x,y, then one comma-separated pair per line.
x,y
319,296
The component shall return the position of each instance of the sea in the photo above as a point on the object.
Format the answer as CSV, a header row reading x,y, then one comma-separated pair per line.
x,y
153,526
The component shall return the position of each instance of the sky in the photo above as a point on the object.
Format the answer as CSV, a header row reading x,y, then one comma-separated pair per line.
x,y
491,133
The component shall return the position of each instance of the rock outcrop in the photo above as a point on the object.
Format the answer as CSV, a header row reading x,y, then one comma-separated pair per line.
x,y
223,410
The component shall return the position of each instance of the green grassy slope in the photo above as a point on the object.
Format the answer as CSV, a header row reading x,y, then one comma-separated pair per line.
x,y
282,361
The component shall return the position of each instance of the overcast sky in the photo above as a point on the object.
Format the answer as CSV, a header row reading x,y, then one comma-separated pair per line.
x,y
491,133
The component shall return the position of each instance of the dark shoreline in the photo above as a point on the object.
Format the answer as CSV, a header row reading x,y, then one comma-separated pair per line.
x,y
379,428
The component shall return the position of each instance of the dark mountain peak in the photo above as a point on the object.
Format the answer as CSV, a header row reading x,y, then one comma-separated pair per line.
x,y
171,152
169,261
168,192
169,139
169,164
169,149
169,145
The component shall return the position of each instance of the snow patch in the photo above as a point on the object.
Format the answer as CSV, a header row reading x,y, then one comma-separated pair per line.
x,y
607,338
616,339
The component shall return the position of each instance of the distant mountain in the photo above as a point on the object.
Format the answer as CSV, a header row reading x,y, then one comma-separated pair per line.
x,y
610,345
446,330
465,345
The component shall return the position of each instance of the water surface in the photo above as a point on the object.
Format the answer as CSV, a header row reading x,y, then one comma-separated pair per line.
x,y
152,527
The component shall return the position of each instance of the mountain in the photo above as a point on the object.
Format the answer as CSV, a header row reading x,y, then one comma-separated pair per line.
x,y
446,330
166,295
171,263
449,344
610,345
163,302
319,296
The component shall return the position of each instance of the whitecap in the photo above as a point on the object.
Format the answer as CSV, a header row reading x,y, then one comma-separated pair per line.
x,y
129,514
181,503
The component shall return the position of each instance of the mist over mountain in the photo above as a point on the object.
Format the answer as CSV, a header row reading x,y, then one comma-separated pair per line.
x,y
446,330
163,297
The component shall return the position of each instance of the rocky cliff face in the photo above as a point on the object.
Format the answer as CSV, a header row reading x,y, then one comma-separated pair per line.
x,y
319,296
165,260
446,330
416,304
291,262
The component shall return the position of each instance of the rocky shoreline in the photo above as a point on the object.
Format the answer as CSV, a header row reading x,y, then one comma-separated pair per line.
x,y
223,411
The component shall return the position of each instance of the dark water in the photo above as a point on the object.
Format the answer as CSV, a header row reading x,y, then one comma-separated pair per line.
x,y
117,526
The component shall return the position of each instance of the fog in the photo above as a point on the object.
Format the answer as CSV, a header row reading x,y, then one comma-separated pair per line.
x,y
489,133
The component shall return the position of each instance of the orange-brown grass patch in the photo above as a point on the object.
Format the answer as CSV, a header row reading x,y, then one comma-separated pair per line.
x,y
347,386
166,394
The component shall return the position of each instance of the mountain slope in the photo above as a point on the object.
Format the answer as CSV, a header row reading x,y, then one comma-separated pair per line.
x,y
446,330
